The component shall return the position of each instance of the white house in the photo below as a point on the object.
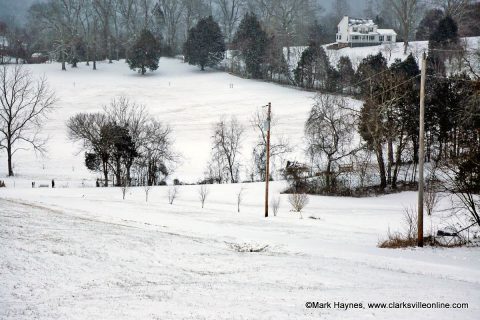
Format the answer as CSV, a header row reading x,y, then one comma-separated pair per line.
x,y
354,32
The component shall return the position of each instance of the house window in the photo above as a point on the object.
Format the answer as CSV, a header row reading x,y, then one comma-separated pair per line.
x,y
339,37
380,38
370,29
389,38
372,38
355,29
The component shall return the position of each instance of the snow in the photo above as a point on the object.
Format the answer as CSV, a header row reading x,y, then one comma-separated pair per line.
x,y
78,252
180,95
390,51
386,31
85,253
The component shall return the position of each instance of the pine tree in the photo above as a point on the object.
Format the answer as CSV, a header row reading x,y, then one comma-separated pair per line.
x,y
252,41
443,44
205,46
313,68
428,24
145,53
345,72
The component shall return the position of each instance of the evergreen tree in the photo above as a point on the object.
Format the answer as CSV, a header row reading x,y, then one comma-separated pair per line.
x,y
252,41
369,67
205,46
313,68
428,24
446,32
317,33
145,53
345,72
442,45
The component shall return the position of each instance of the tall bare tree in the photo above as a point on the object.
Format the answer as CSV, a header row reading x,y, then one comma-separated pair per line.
x,y
24,104
171,13
456,9
330,130
230,13
278,146
406,14
227,136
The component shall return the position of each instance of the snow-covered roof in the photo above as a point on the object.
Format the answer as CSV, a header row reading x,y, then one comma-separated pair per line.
x,y
363,34
386,32
356,21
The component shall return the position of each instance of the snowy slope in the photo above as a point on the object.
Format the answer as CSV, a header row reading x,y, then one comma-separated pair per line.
x,y
389,51
189,100
83,254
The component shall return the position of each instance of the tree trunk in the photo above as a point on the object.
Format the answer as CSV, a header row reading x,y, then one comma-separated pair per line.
x,y
390,160
398,159
381,166
328,180
9,156
63,61
118,174
105,173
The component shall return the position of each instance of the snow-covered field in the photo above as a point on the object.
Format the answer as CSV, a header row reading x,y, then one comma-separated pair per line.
x,y
84,253
389,51
182,96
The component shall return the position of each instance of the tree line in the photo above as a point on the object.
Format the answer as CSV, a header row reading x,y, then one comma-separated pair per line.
x,y
70,31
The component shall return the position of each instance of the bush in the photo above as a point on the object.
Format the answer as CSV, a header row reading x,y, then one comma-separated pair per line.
x,y
298,202
275,204
407,238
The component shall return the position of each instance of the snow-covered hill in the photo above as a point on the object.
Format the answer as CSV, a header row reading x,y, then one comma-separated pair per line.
x,y
389,51
180,95
78,252
84,253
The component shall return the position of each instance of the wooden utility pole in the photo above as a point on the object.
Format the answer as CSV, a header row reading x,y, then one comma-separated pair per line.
x,y
267,166
421,152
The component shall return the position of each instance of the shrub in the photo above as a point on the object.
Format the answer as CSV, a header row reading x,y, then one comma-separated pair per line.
x,y
275,204
298,201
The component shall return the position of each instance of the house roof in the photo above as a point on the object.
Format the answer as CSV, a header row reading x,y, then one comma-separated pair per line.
x,y
386,32
356,21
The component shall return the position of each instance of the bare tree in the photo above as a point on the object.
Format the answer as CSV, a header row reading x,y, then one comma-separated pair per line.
x,y
230,12
406,14
61,20
157,155
203,193
278,147
24,104
227,136
298,201
329,130
240,198
124,187
275,204
454,8
287,18
146,189
92,130
172,194
340,8
171,14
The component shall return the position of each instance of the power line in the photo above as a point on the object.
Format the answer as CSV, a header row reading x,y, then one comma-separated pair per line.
x,y
398,85
454,79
